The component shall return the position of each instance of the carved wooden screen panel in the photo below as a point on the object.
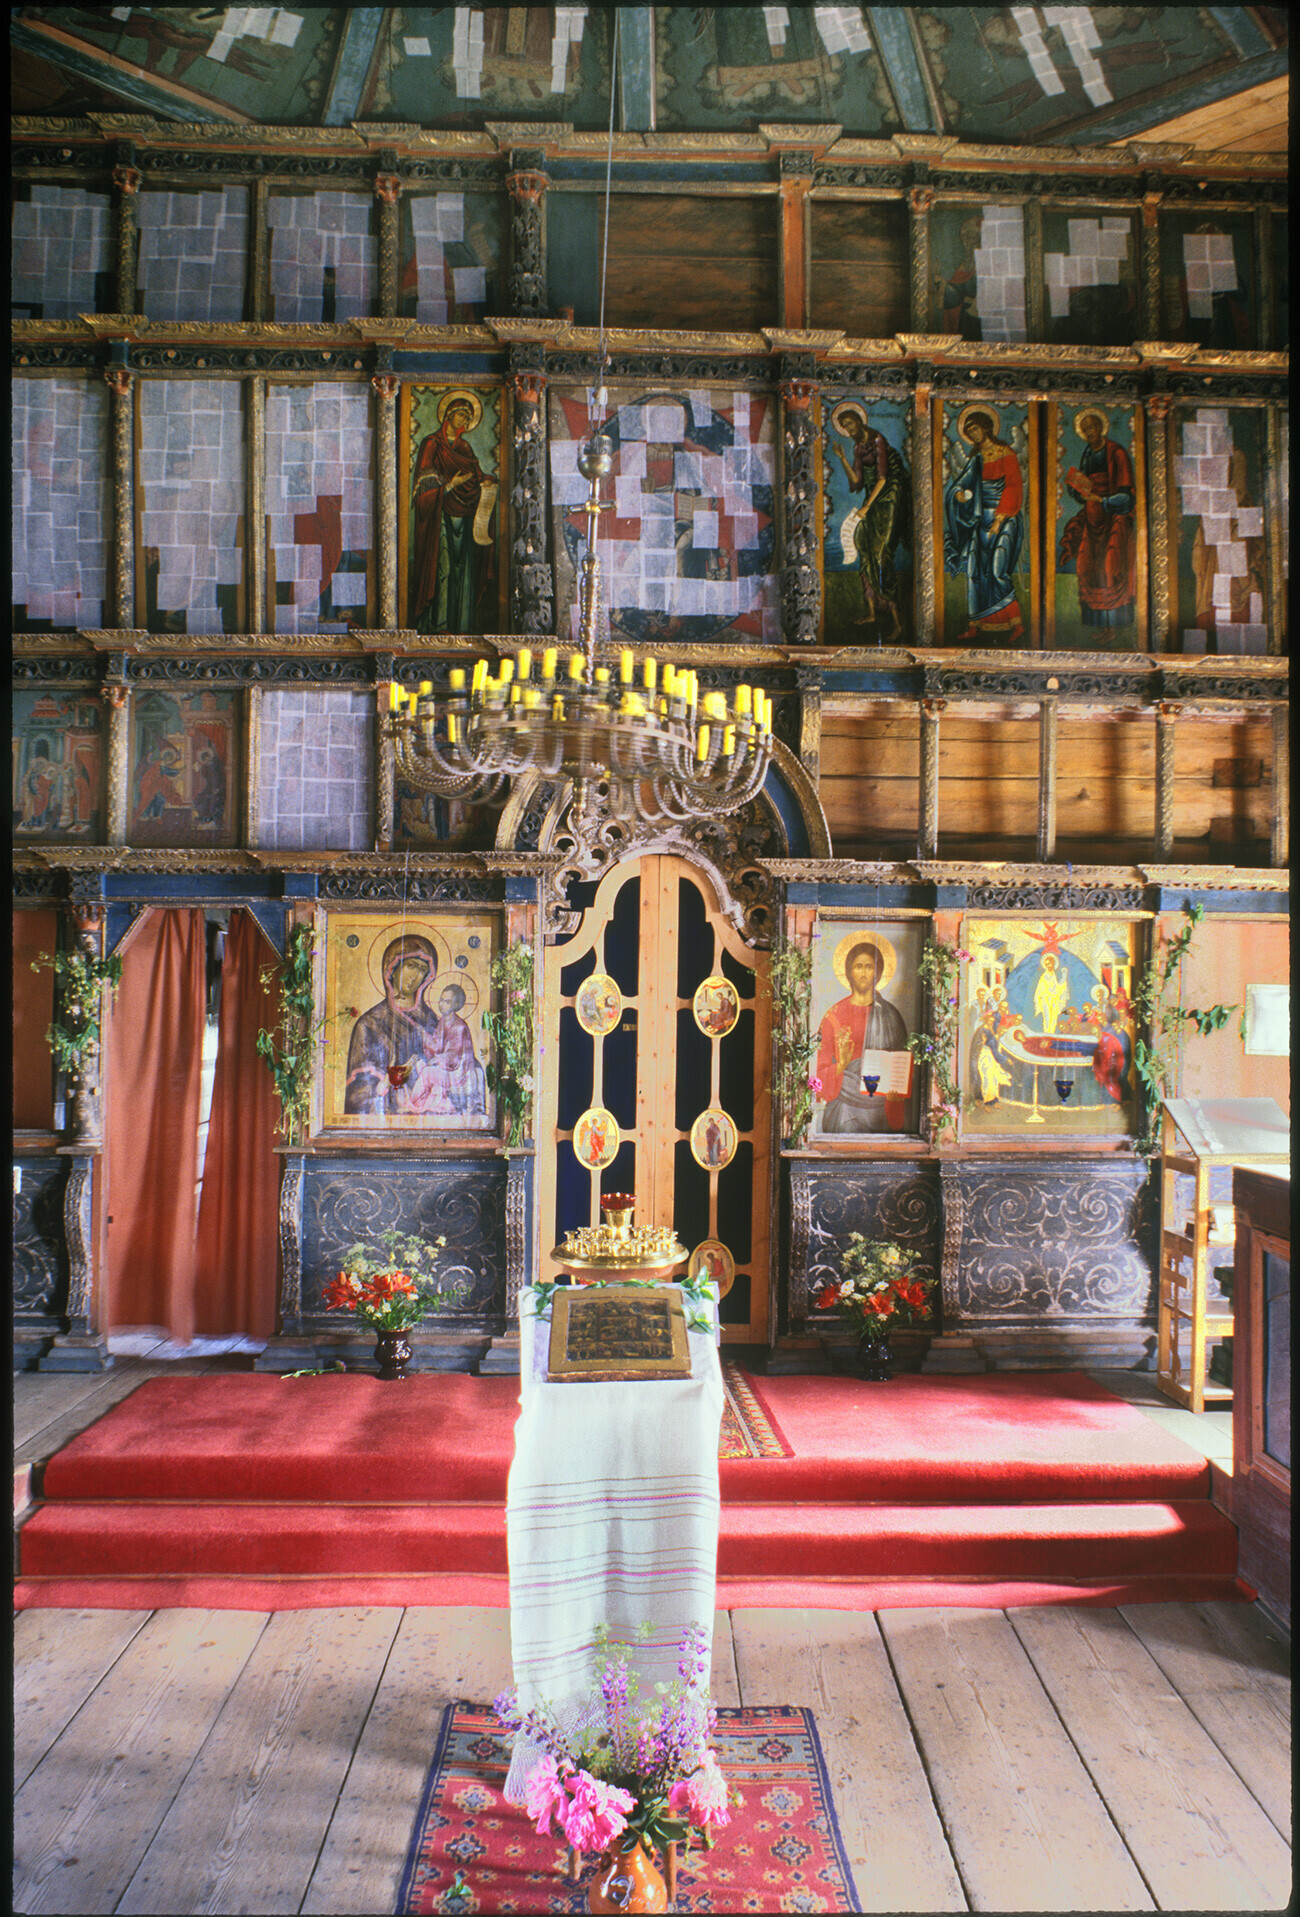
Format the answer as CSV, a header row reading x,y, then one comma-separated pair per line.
x,y
660,1034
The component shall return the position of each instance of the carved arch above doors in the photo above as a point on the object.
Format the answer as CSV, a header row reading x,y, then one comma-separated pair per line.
x,y
785,820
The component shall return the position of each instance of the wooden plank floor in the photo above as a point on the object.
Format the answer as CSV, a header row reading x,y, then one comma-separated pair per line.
x,y
1053,1759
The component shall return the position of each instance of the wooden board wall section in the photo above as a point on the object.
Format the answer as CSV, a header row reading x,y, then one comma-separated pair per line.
x,y
712,261
988,778
860,268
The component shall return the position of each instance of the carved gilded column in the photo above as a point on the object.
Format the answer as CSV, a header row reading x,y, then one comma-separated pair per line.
x,y
919,201
1150,277
385,387
261,617
532,584
1280,832
253,733
384,665
801,591
116,695
1166,718
1035,316
922,517
128,181
259,288
527,190
1047,781
809,681
1162,601
120,608
928,835
388,191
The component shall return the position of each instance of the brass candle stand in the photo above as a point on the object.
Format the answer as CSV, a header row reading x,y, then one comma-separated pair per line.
x,y
617,1251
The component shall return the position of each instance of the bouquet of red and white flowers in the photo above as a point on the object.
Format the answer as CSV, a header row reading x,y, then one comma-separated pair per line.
x,y
392,1288
878,1286
644,1769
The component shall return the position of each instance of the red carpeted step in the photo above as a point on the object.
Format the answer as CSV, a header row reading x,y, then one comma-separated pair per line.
x,y
1005,1437
755,1541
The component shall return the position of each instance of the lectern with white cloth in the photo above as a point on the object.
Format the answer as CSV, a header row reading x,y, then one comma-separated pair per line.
x,y
611,1518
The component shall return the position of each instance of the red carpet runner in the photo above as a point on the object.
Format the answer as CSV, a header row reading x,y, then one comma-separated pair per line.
x,y
249,1491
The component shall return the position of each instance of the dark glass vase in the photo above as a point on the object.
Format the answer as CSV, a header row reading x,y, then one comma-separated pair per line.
x,y
393,1352
875,1359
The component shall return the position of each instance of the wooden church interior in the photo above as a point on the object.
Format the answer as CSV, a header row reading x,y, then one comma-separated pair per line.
x,y
313,314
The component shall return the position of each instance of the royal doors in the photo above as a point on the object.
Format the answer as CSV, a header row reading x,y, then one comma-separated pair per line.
x,y
655,1080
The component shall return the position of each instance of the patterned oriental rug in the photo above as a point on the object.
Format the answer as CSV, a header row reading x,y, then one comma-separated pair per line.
x,y
748,1431
781,1851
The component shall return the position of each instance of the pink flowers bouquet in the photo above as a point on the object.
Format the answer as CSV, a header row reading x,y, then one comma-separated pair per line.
x,y
645,1768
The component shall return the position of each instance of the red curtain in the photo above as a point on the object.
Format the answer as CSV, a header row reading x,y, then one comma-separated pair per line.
x,y
154,1063
35,932
236,1273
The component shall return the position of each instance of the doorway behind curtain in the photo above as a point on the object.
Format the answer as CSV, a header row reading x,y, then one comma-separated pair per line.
x,y
174,1262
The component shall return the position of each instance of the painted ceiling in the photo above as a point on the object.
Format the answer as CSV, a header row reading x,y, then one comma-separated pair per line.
x,y
1025,75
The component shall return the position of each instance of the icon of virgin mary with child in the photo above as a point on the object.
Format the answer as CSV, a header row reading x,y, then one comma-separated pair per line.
x,y
405,1059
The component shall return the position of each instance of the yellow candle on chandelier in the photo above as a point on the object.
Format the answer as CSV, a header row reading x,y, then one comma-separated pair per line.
x,y
548,662
479,678
525,662
575,665
532,698
729,740
648,672
394,696
744,701
702,744
456,678
507,671
625,665
451,728
557,706
426,687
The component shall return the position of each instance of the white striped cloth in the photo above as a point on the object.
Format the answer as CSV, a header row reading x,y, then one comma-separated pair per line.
x,y
611,1518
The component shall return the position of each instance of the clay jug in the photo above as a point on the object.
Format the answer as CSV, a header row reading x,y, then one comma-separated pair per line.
x,y
627,1878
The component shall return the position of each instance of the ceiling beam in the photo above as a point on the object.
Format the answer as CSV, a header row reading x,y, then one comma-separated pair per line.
x,y
896,49
636,69
361,30
1130,122
163,97
1241,29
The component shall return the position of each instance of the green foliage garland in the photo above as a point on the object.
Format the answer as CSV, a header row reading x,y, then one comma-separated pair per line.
x,y
1156,1066
510,1031
290,1050
79,979
790,983
940,968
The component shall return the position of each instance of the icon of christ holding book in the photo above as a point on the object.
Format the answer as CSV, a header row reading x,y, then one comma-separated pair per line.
x,y
863,1038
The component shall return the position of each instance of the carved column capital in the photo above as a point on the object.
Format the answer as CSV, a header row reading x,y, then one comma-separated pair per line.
x,y
119,380
385,384
128,179
798,394
87,916
921,199
388,188
528,387
526,184
1167,710
932,707
1159,406
115,695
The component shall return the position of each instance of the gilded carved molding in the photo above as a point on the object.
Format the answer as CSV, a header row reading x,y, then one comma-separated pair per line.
x,y
1167,713
122,563
385,387
116,697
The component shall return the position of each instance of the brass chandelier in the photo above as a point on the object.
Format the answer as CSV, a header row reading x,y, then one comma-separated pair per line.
x,y
658,752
